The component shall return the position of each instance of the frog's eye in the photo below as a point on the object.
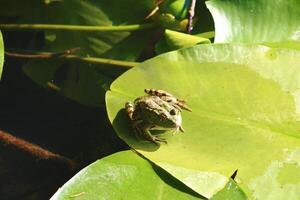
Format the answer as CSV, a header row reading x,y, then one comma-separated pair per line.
x,y
173,112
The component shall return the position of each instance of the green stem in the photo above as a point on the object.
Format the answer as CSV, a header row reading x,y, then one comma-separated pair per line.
x,y
60,27
120,63
106,61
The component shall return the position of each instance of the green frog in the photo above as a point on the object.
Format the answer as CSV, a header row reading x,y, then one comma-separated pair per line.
x,y
159,110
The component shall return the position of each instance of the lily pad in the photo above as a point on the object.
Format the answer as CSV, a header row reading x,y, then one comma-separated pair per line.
x,y
1,54
255,21
246,111
124,175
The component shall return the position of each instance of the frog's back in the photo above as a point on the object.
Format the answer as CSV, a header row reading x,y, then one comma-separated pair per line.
x,y
147,102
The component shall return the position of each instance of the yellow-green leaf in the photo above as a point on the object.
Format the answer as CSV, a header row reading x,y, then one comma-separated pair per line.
x,y
246,111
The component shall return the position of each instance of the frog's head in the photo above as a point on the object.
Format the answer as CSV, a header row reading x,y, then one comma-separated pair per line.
x,y
169,117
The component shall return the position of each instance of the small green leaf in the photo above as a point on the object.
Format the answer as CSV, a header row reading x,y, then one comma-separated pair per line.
x,y
123,175
173,40
177,8
231,191
167,20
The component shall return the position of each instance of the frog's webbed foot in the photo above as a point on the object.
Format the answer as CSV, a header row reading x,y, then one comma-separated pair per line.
x,y
178,103
142,130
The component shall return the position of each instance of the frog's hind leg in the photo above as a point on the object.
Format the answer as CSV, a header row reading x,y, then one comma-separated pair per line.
x,y
143,130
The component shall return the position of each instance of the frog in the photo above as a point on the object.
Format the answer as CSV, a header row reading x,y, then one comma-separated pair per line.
x,y
159,110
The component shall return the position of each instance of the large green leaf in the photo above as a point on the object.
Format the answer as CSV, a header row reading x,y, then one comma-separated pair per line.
x,y
81,81
124,175
255,21
246,111
1,54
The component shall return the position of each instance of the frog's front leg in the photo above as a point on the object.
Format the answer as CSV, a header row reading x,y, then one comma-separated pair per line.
x,y
129,109
142,129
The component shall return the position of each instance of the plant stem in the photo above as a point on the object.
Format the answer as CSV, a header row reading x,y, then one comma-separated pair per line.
x,y
9,141
95,60
191,14
60,27
42,54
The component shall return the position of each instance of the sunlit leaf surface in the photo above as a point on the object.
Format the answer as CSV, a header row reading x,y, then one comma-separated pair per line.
x,y
255,21
124,175
246,111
